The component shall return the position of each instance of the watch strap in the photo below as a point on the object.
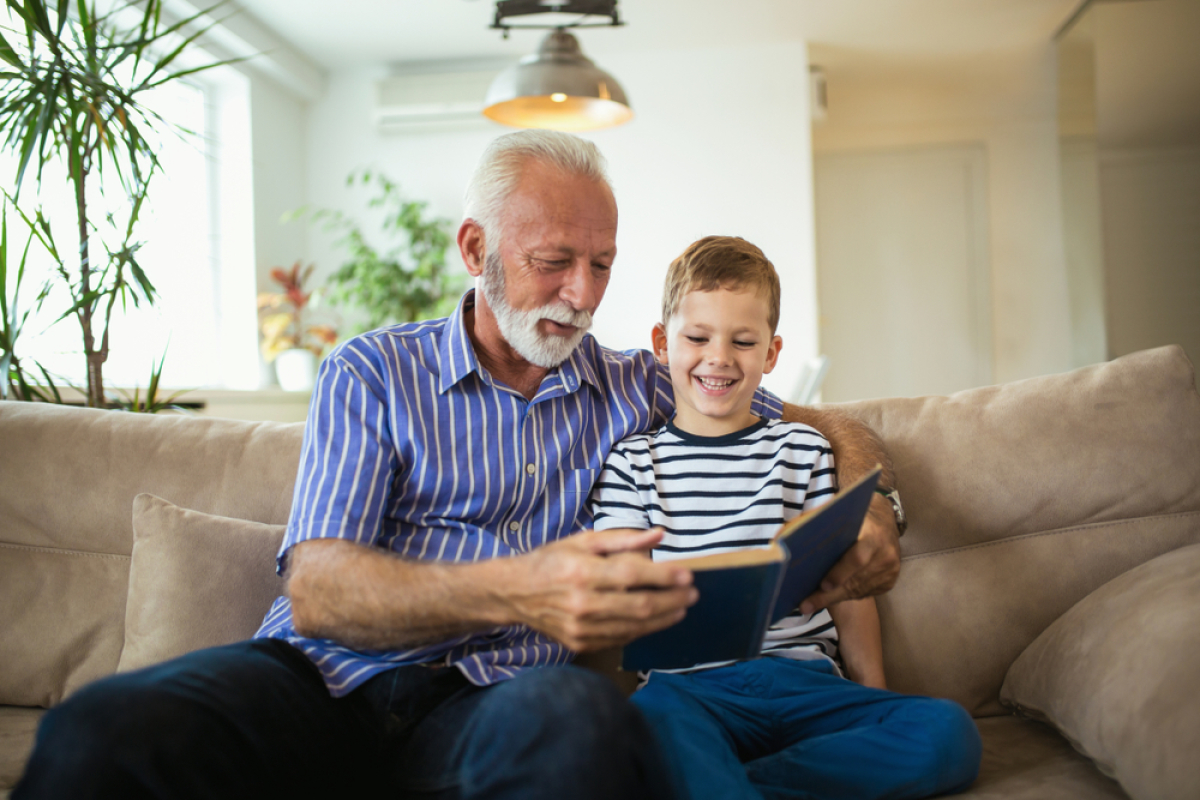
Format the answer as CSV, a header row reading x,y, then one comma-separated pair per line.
x,y
893,497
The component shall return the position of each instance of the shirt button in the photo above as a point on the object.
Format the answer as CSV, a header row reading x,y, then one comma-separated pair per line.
x,y
514,525
530,468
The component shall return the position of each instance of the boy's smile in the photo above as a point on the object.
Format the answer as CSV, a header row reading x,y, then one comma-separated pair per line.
x,y
718,345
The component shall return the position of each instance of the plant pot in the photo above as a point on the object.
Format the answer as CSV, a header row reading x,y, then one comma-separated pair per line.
x,y
296,369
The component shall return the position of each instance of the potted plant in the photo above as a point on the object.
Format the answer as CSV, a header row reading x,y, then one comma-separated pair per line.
x,y
71,96
407,281
287,340
16,380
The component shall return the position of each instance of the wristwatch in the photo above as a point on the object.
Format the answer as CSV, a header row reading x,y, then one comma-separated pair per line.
x,y
893,497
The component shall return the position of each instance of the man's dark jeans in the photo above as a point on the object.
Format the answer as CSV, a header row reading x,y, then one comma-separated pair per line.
x,y
254,719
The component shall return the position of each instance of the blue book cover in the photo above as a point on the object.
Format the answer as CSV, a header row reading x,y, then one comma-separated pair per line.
x,y
815,541
743,592
728,622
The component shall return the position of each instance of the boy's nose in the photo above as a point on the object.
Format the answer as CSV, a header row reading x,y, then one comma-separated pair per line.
x,y
717,353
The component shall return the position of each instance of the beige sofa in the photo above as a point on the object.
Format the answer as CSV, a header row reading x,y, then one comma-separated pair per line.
x,y
1052,564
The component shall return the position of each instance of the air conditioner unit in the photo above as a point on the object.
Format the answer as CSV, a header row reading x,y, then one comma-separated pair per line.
x,y
435,100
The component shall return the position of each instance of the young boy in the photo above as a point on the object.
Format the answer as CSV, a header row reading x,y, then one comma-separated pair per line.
x,y
718,478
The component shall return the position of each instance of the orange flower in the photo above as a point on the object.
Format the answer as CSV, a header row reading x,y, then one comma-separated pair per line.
x,y
282,327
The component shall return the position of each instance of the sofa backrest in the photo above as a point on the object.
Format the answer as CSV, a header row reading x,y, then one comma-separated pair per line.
x,y
1022,499
68,477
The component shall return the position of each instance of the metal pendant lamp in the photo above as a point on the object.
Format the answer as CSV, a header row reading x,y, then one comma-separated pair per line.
x,y
558,87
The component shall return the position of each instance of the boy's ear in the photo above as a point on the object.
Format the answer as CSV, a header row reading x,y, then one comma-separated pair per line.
x,y
773,354
659,339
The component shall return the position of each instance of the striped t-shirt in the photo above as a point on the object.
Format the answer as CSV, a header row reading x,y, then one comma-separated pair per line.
x,y
721,494
411,446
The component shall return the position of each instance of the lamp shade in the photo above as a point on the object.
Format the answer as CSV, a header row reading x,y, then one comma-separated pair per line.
x,y
558,88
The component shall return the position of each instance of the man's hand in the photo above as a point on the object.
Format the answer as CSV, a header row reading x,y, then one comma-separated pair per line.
x,y
868,568
598,589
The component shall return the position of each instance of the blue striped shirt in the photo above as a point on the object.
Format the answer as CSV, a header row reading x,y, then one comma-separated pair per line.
x,y
413,447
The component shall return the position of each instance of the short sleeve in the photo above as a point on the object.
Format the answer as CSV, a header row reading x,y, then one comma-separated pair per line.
x,y
766,405
615,502
348,459
822,478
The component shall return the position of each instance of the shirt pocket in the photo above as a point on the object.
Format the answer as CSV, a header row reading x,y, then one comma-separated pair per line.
x,y
574,486
577,482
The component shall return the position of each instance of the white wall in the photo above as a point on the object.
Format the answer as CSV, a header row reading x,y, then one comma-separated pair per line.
x,y
720,144
903,279
1147,71
1151,213
1006,102
264,177
1083,229
279,122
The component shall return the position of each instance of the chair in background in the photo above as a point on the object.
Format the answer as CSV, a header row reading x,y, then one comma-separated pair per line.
x,y
808,383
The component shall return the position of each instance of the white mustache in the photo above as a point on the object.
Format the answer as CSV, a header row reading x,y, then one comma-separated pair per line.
x,y
565,315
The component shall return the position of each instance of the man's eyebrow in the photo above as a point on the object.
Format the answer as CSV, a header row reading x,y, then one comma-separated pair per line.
x,y
539,251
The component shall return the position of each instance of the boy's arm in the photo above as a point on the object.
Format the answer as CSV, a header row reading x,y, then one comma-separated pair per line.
x,y
859,641
614,501
872,566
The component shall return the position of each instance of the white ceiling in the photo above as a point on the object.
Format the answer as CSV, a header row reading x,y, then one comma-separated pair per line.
x,y
355,33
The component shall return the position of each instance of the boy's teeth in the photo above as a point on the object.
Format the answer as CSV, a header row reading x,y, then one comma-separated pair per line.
x,y
715,384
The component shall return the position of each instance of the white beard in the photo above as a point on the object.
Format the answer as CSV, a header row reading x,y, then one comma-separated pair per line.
x,y
520,328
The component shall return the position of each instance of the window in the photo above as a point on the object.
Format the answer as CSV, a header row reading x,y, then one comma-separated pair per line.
x,y
197,231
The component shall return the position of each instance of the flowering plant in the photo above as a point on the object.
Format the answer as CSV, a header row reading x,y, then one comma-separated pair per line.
x,y
282,315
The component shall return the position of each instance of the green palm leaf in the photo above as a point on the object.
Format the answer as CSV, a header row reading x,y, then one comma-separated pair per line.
x,y
72,97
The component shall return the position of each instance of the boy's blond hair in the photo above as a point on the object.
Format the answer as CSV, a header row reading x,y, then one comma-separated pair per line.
x,y
721,262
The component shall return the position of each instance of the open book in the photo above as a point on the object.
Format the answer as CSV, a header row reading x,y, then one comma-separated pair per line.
x,y
742,593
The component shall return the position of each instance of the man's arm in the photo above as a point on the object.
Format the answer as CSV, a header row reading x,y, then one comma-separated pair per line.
x,y
588,591
580,590
872,566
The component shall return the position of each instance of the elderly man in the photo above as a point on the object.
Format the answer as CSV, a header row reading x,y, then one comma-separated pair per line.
x,y
440,571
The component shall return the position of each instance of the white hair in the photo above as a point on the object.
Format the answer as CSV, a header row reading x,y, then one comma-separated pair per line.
x,y
503,161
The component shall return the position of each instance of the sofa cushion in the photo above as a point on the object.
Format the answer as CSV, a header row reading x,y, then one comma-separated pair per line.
x,y
60,620
68,477
1118,676
18,727
1082,447
1024,498
1026,760
196,580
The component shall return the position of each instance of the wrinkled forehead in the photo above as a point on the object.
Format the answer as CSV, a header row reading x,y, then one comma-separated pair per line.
x,y
549,198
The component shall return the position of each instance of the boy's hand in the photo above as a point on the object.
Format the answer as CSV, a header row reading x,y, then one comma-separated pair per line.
x,y
596,589
869,568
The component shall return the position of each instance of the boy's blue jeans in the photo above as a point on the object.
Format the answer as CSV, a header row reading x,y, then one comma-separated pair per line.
x,y
777,728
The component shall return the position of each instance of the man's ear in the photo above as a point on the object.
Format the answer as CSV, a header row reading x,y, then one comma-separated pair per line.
x,y
472,246
773,354
658,338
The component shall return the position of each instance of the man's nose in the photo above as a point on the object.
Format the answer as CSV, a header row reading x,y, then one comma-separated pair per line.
x,y
579,288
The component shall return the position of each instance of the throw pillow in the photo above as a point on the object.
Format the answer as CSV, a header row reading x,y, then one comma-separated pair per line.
x,y
1117,675
195,580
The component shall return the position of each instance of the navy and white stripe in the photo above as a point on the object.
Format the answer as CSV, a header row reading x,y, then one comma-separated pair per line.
x,y
722,494
411,446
